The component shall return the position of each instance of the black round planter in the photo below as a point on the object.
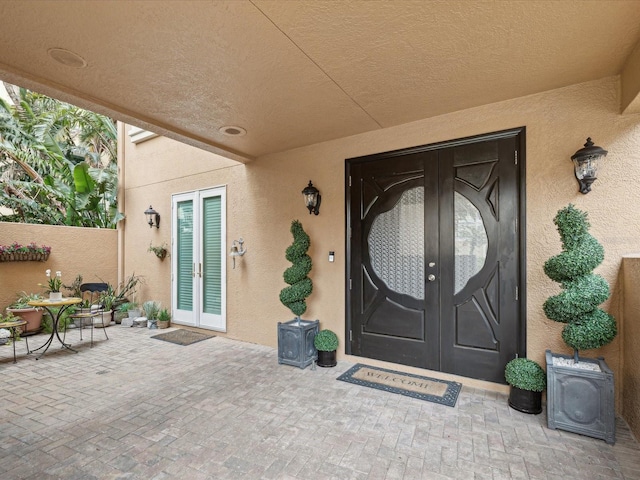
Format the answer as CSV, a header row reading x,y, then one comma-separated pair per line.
x,y
326,359
525,401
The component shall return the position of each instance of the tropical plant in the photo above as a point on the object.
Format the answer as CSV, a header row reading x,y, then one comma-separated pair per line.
x,y
74,287
525,374
57,162
326,341
300,285
128,287
586,325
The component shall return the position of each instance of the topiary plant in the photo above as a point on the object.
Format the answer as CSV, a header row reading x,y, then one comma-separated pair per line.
x,y
326,341
525,374
587,326
300,286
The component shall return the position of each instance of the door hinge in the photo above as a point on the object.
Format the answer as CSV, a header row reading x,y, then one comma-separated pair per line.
x,y
517,293
349,180
516,225
516,158
350,335
350,284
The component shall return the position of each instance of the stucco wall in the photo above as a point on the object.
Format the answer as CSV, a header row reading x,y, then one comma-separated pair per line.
x,y
91,252
264,196
631,346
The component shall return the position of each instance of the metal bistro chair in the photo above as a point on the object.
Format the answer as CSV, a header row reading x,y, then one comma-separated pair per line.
x,y
92,292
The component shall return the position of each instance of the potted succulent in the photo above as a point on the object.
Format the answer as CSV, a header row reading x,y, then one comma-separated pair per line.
x,y
160,251
151,309
580,396
326,342
164,318
31,315
528,380
295,337
133,310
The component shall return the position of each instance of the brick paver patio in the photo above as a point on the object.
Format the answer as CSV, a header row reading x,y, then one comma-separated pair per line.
x,y
138,408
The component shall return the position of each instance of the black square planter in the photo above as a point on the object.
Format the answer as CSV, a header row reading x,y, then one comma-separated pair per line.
x,y
295,342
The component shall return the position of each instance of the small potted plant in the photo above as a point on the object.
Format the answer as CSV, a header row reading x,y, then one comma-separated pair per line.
x,y
326,342
159,251
528,380
133,310
31,315
151,309
164,318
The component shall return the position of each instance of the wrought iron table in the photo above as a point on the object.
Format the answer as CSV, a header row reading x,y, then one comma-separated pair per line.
x,y
55,319
12,326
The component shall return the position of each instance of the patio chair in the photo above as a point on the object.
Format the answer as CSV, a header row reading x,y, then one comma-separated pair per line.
x,y
92,292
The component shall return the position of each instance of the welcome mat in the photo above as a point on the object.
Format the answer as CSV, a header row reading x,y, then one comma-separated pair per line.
x,y
424,388
182,337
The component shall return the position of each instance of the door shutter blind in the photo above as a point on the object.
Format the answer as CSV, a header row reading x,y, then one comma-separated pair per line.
x,y
185,255
212,255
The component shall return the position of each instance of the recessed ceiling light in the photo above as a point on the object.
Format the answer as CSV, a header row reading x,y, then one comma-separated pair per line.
x,y
232,131
67,57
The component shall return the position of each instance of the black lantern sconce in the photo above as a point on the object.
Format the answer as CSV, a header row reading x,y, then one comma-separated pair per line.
x,y
312,198
153,217
585,163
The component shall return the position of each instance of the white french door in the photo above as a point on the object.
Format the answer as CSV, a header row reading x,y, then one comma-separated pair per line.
x,y
198,260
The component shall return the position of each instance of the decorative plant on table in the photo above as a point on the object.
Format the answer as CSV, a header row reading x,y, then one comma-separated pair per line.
x,y
587,390
300,286
54,284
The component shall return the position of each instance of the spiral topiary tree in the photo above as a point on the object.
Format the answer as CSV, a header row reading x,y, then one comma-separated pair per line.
x,y
587,326
300,286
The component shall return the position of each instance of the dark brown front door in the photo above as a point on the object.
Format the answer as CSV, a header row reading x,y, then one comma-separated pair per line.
x,y
435,257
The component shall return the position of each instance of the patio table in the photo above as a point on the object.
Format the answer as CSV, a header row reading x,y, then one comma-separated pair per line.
x,y
55,319
13,326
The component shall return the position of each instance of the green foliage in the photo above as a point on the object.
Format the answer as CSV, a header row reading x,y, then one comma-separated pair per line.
x,y
58,162
23,299
151,309
587,326
525,374
293,297
164,315
326,341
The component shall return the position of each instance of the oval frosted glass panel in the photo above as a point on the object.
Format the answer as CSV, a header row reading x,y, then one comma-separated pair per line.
x,y
471,241
396,245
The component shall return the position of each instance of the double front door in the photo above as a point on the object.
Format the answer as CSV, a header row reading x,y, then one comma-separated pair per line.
x,y
435,256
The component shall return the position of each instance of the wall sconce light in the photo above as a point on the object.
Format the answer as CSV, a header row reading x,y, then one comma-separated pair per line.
x,y
237,250
312,198
152,216
585,163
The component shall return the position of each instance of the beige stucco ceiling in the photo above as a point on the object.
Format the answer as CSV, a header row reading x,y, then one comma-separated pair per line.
x,y
294,73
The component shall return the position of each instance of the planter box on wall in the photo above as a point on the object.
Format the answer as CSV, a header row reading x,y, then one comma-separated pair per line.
x,y
581,401
295,342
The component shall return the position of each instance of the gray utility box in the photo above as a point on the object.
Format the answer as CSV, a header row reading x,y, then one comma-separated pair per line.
x,y
581,401
295,342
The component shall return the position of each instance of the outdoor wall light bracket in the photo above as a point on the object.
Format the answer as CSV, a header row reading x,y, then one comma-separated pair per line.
x,y
312,198
237,250
153,217
585,163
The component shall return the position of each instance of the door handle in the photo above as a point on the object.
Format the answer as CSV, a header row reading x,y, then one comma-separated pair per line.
x,y
200,270
431,277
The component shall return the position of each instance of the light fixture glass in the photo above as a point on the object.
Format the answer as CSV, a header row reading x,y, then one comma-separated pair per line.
x,y
585,162
153,217
312,198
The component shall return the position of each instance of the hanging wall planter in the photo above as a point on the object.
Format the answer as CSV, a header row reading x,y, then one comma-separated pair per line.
x,y
24,253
